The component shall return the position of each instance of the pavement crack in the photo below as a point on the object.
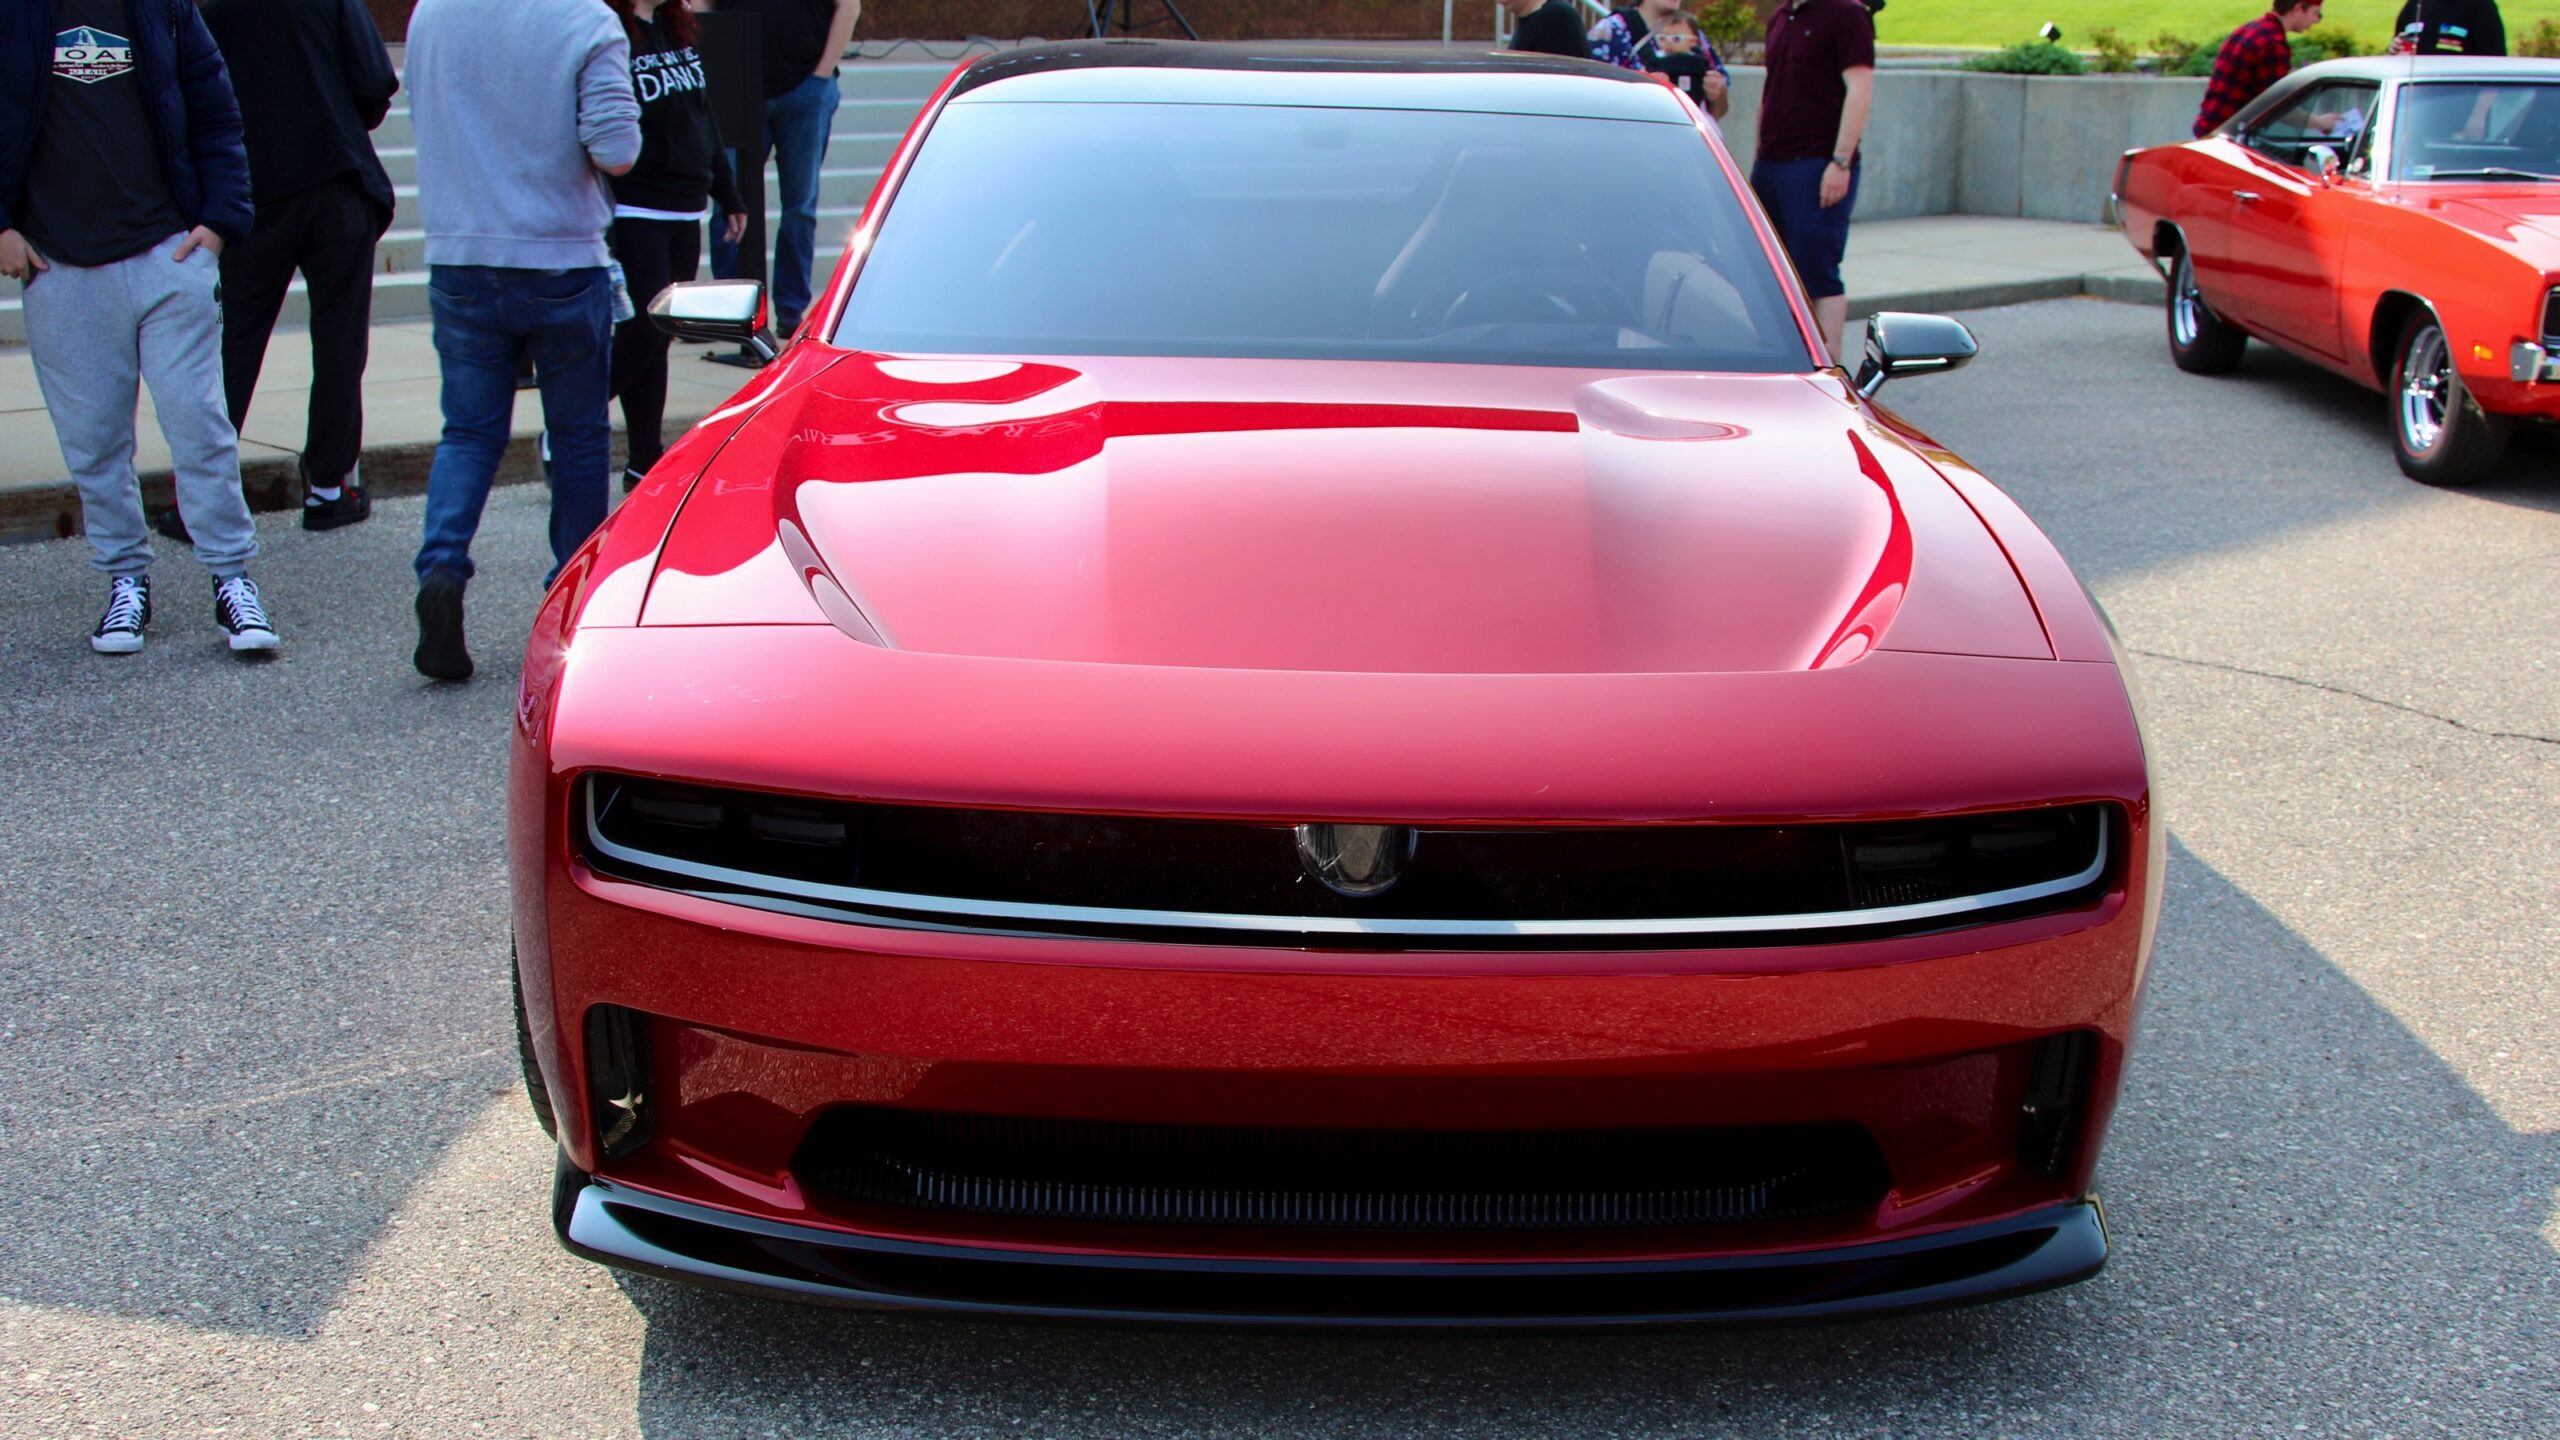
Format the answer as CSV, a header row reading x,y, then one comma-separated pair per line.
x,y
2462,725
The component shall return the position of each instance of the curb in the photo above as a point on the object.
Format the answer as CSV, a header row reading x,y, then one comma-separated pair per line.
x,y
2123,288
52,511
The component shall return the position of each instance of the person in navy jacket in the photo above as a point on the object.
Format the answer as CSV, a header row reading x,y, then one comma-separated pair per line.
x,y
122,177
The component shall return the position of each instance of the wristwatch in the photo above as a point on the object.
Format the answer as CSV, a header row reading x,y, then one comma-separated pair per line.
x,y
1843,161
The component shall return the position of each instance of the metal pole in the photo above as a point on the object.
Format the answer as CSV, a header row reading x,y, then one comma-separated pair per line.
x,y
1448,19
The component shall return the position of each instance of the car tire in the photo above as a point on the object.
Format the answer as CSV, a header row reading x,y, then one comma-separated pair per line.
x,y
2439,433
2202,342
534,1089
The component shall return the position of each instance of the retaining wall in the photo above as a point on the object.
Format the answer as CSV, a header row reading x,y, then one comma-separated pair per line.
x,y
1952,142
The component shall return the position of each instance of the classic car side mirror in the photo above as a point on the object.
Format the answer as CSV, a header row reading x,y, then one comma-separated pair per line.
x,y
1900,343
716,310
2324,162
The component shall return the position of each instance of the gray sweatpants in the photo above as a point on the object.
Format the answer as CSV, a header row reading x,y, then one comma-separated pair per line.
x,y
94,332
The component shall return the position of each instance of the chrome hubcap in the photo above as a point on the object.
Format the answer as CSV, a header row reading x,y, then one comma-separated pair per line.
x,y
2426,387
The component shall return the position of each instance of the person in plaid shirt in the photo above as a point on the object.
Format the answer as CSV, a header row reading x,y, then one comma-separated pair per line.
x,y
2256,56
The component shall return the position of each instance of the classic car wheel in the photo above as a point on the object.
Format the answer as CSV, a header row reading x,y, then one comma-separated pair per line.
x,y
534,1089
2202,342
2439,433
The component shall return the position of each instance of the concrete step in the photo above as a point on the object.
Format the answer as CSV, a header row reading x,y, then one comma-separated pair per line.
x,y
878,95
846,149
838,187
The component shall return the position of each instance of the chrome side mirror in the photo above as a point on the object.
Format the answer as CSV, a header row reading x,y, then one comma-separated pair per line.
x,y
1900,343
730,310
2324,162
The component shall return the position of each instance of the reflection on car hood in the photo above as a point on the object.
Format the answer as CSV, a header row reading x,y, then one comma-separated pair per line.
x,y
1294,515
2524,219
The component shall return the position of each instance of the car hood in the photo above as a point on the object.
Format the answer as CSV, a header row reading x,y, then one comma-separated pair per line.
x,y
2522,219
1295,515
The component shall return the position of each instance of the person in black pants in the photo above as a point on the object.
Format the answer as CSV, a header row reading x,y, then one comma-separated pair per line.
x,y
657,208
313,81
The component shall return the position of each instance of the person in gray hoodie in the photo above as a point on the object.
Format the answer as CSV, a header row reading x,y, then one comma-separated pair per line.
x,y
520,108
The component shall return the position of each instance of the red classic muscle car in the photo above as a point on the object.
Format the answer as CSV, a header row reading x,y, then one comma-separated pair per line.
x,y
1304,699
2396,220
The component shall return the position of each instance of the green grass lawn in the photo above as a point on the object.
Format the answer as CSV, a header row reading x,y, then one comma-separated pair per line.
x,y
2005,22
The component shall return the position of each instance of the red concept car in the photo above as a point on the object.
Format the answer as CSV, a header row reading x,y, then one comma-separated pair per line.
x,y
1301,701
2395,220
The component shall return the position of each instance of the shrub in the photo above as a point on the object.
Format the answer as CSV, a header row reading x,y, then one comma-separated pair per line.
x,y
2035,57
2542,42
1728,24
2170,54
2199,61
2115,53
2329,40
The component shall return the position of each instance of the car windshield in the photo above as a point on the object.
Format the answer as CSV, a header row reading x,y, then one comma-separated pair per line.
x,y
2505,131
1306,232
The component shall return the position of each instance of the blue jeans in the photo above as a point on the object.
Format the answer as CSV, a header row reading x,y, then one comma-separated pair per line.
x,y
1815,235
487,319
796,125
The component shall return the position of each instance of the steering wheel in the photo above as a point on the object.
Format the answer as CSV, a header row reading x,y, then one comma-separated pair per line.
x,y
1545,294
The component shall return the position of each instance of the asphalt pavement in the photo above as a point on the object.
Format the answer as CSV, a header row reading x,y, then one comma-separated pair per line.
x,y
265,1169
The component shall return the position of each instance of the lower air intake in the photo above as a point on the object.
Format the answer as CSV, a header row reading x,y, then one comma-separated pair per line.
x,y
1340,1179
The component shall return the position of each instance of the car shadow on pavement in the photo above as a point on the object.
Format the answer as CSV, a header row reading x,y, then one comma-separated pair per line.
x,y
2316,1222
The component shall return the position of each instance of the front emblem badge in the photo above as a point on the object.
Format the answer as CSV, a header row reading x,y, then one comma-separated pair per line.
x,y
1356,860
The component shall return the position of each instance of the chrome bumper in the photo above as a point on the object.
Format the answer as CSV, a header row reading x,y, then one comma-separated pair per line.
x,y
2528,363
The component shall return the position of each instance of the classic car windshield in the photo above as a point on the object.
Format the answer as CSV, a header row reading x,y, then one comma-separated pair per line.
x,y
1248,230
2467,131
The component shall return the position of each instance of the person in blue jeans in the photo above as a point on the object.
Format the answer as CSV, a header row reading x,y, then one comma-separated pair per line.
x,y
803,40
519,108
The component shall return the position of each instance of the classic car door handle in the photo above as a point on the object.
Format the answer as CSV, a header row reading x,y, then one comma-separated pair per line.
x,y
2245,197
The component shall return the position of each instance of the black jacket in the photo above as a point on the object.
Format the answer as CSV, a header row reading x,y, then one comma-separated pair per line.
x,y
2478,27
313,79
681,160
185,89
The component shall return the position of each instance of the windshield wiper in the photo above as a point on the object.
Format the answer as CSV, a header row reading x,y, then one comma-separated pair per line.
x,y
2491,172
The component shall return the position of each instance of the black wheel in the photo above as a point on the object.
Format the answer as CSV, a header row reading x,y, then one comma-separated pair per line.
x,y
534,1089
2439,433
2202,342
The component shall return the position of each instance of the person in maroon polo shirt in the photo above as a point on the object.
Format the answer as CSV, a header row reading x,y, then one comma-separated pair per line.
x,y
1821,59
2256,56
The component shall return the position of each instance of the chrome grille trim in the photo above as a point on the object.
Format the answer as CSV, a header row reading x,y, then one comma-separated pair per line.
x,y
1016,913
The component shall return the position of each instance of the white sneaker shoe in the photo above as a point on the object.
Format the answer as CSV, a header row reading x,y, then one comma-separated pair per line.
x,y
119,631
243,619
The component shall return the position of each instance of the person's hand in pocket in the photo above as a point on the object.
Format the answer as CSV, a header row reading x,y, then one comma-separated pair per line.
x,y
18,259
198,239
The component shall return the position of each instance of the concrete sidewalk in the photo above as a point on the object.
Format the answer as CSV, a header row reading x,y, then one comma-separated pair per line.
x,y
1943,262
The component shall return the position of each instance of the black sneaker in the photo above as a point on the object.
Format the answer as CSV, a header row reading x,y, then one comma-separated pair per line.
x,y
119,631
351,506
236,608
440,654
632,475
172,525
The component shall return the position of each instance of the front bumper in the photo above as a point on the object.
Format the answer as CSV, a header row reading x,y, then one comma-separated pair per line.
x,y
637,1230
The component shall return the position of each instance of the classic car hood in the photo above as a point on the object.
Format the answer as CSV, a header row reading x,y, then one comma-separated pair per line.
x,y
2523,219
1476,519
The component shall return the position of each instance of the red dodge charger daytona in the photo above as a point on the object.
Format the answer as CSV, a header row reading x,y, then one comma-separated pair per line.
x,y
1304,699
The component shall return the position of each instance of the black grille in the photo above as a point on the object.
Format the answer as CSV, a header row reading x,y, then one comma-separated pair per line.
x,y
1340,1179
1107,863
2551,316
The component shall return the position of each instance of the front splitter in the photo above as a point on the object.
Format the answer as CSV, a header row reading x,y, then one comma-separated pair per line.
x,y
656,1235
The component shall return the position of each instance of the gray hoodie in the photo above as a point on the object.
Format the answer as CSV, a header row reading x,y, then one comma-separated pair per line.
x,y
515,103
